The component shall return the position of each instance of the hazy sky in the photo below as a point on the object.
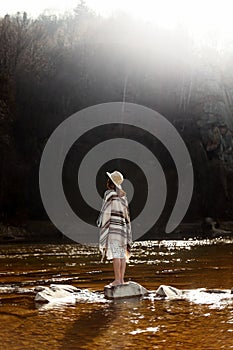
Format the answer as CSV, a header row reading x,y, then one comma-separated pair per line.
x,y
200,16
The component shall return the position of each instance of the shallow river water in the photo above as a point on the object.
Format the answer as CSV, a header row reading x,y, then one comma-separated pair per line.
x,y
95,323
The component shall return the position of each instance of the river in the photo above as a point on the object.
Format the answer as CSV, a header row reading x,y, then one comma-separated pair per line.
x,y
96,323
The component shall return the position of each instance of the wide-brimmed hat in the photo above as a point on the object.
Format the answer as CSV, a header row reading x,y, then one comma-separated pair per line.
x,y
116,177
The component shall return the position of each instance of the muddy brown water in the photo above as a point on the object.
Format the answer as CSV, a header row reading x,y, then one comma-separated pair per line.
x,y
95,323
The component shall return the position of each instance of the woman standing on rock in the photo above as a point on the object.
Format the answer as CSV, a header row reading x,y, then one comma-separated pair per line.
x,y
115,228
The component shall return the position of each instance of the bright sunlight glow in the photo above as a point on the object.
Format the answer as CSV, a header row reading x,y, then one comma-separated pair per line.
x,y
212,18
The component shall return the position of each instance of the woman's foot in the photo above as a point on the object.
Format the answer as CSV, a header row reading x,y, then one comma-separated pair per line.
x,y
115,283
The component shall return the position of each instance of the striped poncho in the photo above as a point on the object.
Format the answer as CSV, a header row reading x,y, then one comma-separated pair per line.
x,y
114,221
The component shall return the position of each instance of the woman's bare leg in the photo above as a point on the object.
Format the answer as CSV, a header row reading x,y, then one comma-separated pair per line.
x,y
117,271
122,270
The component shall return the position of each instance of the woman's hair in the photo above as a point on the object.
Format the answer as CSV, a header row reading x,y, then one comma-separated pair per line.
x,y
110,184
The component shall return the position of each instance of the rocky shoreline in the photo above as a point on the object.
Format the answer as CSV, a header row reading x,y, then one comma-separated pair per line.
x,y
35,231
32,231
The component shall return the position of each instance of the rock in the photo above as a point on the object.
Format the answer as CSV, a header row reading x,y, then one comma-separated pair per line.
x,y
10,233
169,292
211,226
216,291
39,288
66,287
56,294
126,290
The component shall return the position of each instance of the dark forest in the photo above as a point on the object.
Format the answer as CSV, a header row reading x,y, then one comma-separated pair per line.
x,y
53,66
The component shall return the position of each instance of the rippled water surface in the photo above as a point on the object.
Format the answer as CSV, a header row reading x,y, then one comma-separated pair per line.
x,y
95,323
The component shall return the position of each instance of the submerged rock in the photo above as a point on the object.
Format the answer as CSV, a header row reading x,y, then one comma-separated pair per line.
x,y
126,290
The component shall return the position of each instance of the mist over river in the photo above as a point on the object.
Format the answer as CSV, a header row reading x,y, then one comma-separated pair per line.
x,y
96,323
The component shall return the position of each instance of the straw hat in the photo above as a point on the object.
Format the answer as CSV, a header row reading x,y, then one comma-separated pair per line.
x,y
116,177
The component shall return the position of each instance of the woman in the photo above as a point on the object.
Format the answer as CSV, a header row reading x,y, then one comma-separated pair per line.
x,y
115,228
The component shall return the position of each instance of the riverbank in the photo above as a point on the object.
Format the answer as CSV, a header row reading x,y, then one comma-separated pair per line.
x,y
32,231
36,231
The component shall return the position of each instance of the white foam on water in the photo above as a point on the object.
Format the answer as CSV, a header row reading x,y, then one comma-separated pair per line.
x,y
148,329
214,300
91,297
199,296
